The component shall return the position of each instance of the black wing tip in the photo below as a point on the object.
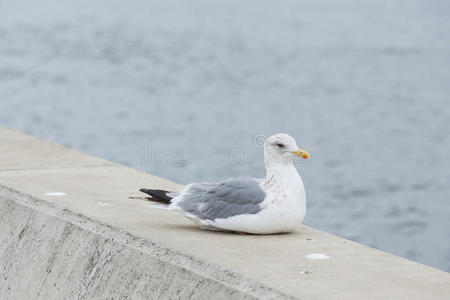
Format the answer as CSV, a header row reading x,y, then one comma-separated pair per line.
x,y
153,191
157,195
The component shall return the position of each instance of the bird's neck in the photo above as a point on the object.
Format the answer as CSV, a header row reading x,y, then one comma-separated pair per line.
x,y
278,174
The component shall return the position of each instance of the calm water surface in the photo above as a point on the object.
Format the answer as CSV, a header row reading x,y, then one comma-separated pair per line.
x,y
182,90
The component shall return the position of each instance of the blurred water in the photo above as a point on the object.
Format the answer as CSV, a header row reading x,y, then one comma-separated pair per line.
x,y
181,89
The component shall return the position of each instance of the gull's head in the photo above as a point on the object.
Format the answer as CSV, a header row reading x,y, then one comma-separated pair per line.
x,y
282,148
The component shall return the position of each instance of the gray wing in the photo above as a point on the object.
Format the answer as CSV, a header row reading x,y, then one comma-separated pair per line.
x,y
222,200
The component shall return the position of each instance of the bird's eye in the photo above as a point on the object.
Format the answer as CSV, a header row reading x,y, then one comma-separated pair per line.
x,y
279,145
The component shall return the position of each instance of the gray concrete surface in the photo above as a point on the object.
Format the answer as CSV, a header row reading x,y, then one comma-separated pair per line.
x,y
96,243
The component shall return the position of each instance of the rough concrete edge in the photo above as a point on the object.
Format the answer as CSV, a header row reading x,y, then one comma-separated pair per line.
x,y
178,259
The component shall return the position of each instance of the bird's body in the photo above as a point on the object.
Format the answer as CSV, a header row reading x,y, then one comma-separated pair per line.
x,y
276,204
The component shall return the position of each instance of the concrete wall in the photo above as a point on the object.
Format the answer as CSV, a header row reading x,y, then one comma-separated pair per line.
x,y
93,242
50,253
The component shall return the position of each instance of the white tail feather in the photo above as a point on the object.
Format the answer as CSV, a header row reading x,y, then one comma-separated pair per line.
x,y
158,205
152,204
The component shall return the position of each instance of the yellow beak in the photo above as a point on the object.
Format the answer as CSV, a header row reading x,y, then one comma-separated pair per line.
x,y
302,153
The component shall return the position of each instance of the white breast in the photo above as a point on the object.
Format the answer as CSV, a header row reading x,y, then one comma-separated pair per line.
x,y
286,201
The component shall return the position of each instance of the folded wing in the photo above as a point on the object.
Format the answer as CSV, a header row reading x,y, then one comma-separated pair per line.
x,y
210,201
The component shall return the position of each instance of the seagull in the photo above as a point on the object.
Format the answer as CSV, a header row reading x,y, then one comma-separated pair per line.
x,y
275,204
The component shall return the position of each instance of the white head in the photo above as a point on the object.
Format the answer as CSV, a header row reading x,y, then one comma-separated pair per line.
x,y
281,149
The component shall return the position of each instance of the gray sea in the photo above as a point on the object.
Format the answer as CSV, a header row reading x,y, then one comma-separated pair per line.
x,y
186,89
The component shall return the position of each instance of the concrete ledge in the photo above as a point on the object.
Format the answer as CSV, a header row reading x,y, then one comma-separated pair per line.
x,y
95,243
53,253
